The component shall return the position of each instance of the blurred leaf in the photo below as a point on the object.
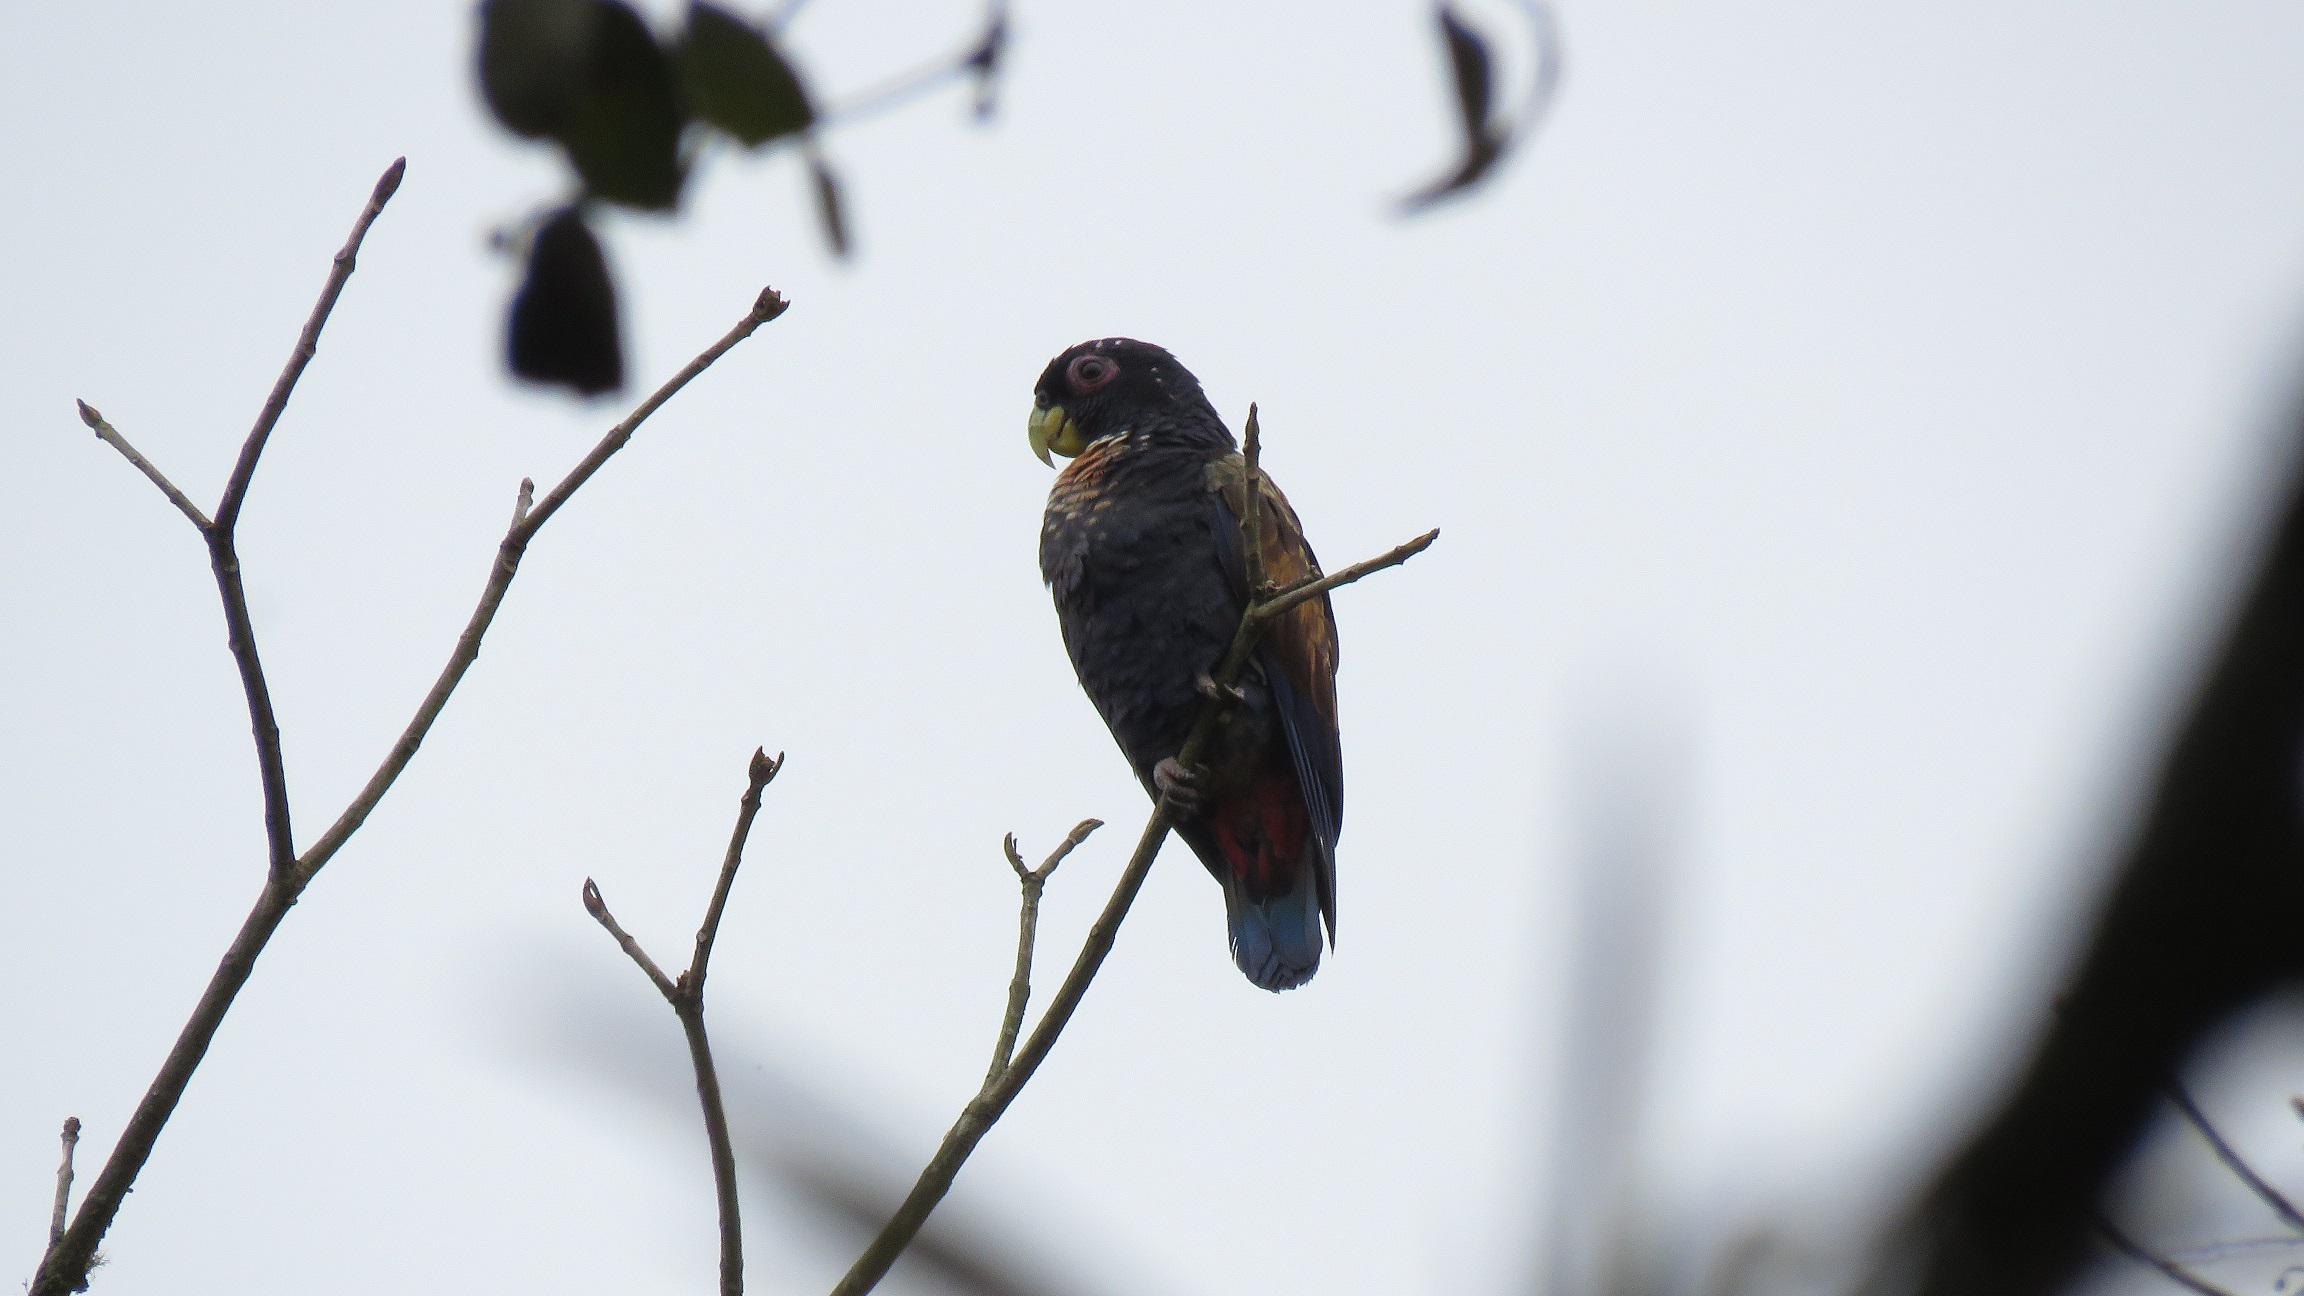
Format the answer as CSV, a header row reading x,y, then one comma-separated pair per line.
x,y
1486,137
828,205
624,138
1468,61
535,59
563,326
736,80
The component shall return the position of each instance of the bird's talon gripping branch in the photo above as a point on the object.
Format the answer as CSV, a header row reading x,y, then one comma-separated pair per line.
x,y
1226,695
1179,783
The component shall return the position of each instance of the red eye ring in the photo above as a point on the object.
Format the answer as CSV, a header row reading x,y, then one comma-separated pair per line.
x,y
1089,372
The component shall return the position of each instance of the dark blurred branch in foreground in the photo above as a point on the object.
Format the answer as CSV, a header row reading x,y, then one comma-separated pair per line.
x,y
2201,919
686,995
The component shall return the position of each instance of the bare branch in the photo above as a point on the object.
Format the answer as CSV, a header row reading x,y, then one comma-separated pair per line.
x,y
64,1268
110,436
767,306
981,59
307,346
597,906
2168,1268
686,995
528,517
1033,883
986,1108
1305,591
1251,509
2226,1153
762,769
71,1140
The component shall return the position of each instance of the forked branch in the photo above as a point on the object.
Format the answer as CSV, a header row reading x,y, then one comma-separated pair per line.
x,y
686,995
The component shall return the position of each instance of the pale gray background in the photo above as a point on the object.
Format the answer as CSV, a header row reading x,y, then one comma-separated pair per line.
x,y
1843,420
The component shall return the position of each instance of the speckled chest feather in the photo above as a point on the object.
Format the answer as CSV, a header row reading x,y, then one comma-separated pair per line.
x,y
1128,549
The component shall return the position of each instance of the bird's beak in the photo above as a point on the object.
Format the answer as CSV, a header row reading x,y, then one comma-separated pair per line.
x,y
1052,429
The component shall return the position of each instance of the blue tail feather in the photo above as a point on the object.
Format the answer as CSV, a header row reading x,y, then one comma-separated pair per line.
x,y
1276,940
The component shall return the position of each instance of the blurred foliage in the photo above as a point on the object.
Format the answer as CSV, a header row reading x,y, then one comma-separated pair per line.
x,y
631,112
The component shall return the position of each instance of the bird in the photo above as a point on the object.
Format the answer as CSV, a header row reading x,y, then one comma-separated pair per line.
x,y
1141,549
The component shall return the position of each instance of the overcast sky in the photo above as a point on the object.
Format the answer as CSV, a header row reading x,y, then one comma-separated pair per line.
x,y
1843,422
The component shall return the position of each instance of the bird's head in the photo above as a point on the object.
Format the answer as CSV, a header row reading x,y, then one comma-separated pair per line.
x,y
1114,385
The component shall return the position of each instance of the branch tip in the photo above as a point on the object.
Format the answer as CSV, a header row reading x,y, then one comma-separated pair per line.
x,y
388,184
89,416
593,904
769,304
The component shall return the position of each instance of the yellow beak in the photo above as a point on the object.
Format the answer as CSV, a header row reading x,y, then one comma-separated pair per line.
x,y
1051,428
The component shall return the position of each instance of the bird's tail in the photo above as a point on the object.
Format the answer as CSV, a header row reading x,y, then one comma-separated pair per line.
x,y
1276,938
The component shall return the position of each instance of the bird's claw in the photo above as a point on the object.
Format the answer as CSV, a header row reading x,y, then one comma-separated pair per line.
x,y
1228,694
1179,785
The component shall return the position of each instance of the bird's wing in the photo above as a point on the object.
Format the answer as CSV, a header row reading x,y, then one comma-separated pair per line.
x,y
1298,653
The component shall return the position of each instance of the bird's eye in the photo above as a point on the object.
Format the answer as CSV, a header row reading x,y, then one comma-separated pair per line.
x,y
1091,372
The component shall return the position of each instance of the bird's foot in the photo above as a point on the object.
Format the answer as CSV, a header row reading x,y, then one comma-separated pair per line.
x,y
1179,785
1229,695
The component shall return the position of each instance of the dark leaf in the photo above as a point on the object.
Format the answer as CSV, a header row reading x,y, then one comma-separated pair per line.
x,y
535,60
736,80
624,136
563,328
828,205
1486,137
1468,61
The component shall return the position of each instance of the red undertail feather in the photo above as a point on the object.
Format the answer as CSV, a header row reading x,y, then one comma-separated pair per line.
x,y
1271,896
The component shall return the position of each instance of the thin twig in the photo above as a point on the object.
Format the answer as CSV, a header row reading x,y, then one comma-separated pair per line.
x,y
71,1139
986,1108
597,906
2226,1153
977,59
528,517
307,346
2144,1255
1033,882
761,771
1251,508
686,995
110,436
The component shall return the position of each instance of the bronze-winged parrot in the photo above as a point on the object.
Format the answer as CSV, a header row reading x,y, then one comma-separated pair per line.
x,y
1141,548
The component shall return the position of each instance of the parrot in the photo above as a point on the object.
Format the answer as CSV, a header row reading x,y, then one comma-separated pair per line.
x,y
1141,549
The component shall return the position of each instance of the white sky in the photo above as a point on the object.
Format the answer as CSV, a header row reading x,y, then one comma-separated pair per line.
x,y
1850,412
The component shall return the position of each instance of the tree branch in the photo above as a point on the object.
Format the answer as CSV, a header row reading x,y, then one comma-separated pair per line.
x,y
71,1139
980,59
528,517
2144,1255
686,995
307,346
1251,509
985,1109
1033,882
110,436
65,1266
2232,1160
